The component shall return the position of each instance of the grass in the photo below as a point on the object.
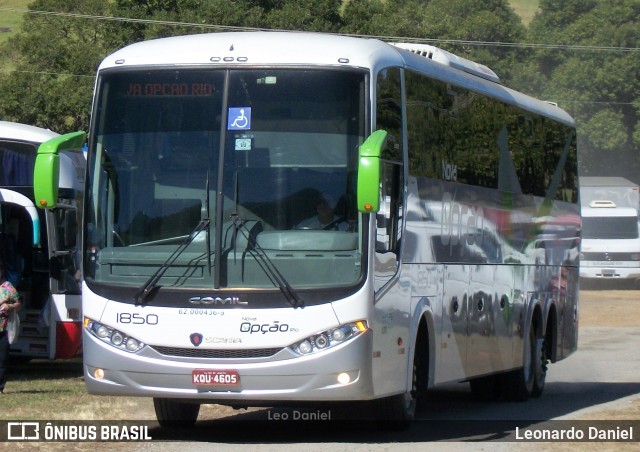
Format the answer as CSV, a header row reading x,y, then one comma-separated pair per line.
x,y
9,20
526,9
54,390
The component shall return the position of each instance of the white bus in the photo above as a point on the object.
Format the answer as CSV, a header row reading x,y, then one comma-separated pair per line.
x,y
38,247
610,244
207,152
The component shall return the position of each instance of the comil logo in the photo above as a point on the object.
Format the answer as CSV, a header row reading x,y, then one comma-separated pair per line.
x,y
217,301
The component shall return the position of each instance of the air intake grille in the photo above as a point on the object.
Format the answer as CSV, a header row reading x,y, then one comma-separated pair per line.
x,y
606,257
222,354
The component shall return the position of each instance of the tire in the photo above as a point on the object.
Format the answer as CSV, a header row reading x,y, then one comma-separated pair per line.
x,y
398,411
519,384
172,413
540,367
420,378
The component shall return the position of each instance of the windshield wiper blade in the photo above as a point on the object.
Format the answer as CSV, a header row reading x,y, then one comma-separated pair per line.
x,y
152,283
206,200
267,265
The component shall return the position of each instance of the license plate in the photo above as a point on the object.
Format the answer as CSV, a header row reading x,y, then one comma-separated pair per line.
x,y
217,379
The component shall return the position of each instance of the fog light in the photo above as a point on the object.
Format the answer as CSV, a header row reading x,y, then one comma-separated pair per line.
x,y
344,378
98,374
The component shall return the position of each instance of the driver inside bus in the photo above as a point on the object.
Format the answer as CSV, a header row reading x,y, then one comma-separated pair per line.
x,y
325,218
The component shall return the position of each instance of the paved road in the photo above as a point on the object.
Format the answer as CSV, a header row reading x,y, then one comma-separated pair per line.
x,y
604,372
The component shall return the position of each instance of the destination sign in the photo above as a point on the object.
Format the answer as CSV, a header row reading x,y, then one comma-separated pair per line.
x,y
170,89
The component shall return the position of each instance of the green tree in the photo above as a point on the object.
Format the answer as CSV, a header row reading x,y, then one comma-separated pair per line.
x,y
56,56
307,15
598,84
55,59
443,20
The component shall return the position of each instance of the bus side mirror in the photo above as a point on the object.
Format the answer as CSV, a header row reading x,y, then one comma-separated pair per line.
x,y
46,173
369,172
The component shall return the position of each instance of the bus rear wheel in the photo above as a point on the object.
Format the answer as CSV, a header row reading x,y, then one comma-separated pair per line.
x,y
519,384
173,413
540,367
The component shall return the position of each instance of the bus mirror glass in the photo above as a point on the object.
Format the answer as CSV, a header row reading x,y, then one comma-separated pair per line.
x,y
369,172
46,172
45,180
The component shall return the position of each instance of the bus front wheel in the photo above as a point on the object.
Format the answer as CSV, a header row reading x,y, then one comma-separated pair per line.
x,y
173,413
398,411
395,412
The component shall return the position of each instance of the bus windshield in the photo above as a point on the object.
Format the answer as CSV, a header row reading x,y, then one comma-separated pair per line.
x,y
610,227
267,156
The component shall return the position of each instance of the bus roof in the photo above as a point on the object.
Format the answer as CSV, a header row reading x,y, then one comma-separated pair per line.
x,y
23,132
277,48
606,181
72,163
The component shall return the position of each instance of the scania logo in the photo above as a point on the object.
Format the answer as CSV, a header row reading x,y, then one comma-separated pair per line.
x,y
196,339
607,256
217,300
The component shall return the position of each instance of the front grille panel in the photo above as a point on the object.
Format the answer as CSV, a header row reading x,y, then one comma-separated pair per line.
x,y
590,256
215,353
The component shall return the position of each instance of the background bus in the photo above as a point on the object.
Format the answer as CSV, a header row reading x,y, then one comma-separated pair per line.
x,y
444,259
610,251
38,247
618,190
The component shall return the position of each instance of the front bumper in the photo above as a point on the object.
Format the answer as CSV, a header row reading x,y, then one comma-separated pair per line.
x,y
283,377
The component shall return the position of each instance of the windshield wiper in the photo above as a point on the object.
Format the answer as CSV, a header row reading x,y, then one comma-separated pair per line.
x,y
266,264
206,200
152,283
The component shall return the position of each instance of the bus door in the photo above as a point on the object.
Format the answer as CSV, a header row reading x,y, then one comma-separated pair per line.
x,y
64,311
41,264
20,239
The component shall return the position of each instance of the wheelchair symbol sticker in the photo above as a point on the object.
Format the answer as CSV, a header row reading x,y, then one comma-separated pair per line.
x,y
239,118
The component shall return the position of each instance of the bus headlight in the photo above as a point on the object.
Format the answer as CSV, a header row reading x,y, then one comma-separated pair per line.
x,y
112,336
102,332
329,338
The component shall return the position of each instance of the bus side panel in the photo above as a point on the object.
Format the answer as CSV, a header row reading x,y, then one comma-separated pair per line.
x,y
391,339
495,261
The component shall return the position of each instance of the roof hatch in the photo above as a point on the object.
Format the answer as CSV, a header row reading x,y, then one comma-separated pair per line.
x,y
602,203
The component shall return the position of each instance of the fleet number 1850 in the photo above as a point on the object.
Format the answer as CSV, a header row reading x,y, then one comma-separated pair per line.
x,y
136,319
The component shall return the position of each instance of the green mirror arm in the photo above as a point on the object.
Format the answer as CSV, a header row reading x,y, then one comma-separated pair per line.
x,y
66,142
